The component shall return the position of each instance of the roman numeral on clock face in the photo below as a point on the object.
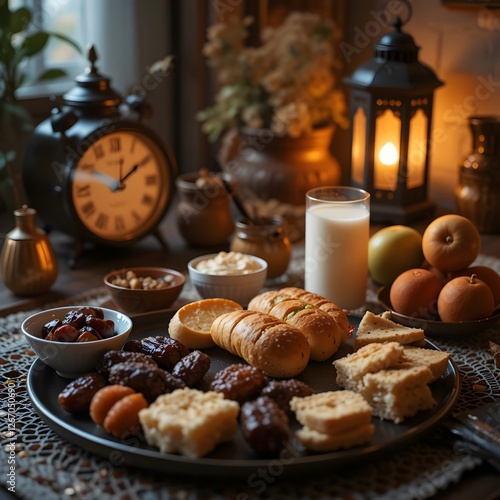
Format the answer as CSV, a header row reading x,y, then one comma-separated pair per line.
x,y
150,180
88,209
119,223
83,191
102,221
115,145
147,199
98,151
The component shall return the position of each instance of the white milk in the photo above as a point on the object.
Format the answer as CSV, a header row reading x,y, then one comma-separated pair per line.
x,y
336,259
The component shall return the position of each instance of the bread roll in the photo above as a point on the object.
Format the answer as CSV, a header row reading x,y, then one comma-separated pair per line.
x,y
325,305
277,348
191,323
319,328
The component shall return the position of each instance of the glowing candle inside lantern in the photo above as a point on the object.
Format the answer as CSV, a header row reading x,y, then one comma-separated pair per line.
x,y
388,154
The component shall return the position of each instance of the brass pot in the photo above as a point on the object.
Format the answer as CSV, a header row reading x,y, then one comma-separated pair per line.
x,y
28,263
282,167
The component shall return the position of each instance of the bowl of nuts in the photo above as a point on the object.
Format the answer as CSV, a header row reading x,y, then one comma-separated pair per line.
x,y
72,339
138,290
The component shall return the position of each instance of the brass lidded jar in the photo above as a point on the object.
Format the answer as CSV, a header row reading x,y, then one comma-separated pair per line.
x,y
265,237
28,263
478,192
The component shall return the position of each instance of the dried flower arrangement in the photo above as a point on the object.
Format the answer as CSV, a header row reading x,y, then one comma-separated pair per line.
x,y
287,84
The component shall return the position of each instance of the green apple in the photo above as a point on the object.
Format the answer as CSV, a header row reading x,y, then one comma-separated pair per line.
x,y
392,251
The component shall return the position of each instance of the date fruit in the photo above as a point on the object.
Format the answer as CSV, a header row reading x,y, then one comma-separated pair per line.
x,y
282,391
85,324
114,357
192,368
77,395
142,377
167,352
239,382
264,425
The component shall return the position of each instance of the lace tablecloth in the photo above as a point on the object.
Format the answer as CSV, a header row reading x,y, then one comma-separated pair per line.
x,y
42,465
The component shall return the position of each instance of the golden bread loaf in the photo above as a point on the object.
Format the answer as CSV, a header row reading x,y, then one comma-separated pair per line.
x,y
277,348
325,305
319,328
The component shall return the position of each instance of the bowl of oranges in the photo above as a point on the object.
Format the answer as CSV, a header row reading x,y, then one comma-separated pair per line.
x,y
450,293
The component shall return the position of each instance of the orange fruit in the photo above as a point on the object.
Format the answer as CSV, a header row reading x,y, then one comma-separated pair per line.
x,y
415,292
465,298
451,243
486,274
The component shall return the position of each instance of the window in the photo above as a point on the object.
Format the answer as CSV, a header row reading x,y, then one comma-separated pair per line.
x,y
67,17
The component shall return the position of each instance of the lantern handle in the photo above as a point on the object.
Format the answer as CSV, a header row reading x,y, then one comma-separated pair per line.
x,y
398,22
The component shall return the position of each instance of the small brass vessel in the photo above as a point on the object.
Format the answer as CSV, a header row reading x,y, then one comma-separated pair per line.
x,y
28,263
267,238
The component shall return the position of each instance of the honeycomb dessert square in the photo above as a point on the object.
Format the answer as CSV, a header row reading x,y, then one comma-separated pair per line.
x,y
189,422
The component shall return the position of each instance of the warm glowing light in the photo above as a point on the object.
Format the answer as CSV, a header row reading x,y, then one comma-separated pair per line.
x,y
388,154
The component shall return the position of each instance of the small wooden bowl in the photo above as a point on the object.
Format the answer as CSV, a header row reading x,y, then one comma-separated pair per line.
x,y
135,301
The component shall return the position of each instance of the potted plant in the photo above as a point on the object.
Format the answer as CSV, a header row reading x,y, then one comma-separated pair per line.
x,y
283,99
20,39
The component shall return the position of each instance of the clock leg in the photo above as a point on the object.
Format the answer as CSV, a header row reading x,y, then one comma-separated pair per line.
x,y
77,253
156,233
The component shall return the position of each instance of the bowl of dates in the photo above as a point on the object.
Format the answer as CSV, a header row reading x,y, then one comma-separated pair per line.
x,y
72,339
138,290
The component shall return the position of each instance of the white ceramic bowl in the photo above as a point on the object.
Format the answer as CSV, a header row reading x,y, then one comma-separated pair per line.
x,y
72,359
239,287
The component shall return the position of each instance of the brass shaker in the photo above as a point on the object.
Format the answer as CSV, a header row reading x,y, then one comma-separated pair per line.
x,y
28,263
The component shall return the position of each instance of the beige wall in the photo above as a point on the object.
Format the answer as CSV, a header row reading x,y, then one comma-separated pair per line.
x,y
466,57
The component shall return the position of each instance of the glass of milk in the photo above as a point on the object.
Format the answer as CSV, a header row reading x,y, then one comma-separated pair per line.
x,y
336,241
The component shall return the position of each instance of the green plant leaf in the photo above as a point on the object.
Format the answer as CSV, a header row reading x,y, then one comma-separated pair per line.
x,y
34,43
4,14
19,20
50,74
65,39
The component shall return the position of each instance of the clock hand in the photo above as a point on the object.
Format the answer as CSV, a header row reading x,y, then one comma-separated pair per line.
x,y
121,169
111,182
129,173
121,184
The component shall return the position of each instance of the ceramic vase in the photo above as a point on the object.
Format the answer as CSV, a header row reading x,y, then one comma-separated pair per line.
x,y
203,213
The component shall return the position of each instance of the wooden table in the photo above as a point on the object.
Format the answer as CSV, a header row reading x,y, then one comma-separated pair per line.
x,y
482,482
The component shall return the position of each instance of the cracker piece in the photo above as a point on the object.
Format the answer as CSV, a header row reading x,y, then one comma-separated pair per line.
x,y
320,442
399,392
369,359
379,328
332,411
436,361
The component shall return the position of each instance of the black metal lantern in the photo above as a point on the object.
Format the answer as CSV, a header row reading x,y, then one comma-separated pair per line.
x,y
391,114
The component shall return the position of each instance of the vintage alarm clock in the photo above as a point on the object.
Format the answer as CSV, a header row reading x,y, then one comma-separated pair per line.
x,y
94,174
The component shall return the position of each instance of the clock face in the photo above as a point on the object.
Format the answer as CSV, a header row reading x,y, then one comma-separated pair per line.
x,y
120,186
